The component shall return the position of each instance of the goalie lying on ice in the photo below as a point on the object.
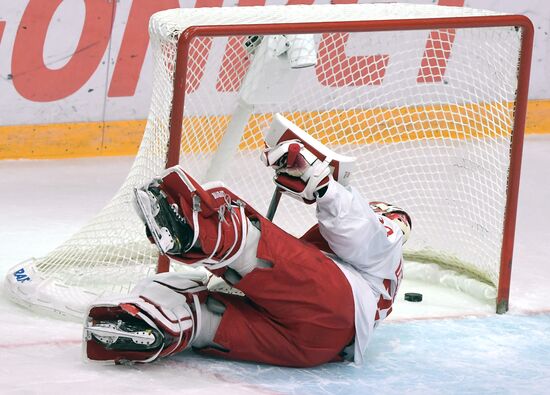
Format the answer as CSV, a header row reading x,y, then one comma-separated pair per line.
x,y
291,302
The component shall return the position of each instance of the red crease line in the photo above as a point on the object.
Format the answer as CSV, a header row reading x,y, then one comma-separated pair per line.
x,y
65,342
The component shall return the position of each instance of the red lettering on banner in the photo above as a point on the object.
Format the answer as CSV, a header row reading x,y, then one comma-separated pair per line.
x,y
198,53
2,26
208,3
451,3
336,69
35,81
235,60
134,46
437,53
250,3
438,50
136,40
300,2
31,77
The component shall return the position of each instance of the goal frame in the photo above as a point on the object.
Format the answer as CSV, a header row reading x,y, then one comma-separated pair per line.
x,y
518,21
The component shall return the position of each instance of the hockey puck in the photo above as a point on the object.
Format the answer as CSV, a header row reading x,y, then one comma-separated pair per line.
x,y
413,297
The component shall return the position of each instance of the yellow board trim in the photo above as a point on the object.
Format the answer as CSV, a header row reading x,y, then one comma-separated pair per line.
x,y
370,126
71,140
115,138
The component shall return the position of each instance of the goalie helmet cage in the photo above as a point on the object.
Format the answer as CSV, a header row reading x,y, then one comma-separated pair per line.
x,y
435,117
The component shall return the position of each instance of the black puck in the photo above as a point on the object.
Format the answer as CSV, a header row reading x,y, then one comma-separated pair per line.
x,y
413,297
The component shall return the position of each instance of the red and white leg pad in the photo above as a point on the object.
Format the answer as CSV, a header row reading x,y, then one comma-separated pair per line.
x,y
160,317
216,217
302,164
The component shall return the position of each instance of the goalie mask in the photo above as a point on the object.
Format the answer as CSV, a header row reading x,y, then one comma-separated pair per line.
x,y
396,214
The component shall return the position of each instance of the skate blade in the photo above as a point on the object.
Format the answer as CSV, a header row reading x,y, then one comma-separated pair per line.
x,y
162,237
109,333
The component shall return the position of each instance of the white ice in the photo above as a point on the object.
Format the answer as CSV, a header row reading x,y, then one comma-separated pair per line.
x,y
44,202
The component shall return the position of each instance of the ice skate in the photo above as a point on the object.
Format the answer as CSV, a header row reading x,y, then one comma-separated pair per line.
x,y
130,334
164,223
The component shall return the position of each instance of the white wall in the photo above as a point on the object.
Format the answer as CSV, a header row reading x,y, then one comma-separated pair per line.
x,y
99,83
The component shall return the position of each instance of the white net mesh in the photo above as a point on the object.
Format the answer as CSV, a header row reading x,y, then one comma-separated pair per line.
x,y
428,113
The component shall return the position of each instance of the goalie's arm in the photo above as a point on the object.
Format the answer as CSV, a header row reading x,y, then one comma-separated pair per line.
x,y
352,229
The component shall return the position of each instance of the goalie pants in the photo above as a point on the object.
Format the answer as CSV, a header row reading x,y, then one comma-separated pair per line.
x,y
299,312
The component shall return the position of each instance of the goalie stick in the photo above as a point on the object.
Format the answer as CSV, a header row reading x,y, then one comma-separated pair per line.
x,y
273,204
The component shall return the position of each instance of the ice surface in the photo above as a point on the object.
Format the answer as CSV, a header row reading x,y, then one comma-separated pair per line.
x,y
44,202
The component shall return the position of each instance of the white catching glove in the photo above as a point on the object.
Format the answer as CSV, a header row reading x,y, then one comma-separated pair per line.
x,y
298,172
303,165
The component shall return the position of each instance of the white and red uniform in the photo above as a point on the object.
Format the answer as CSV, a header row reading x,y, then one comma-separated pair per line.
x,y
306,301
322,297
368,249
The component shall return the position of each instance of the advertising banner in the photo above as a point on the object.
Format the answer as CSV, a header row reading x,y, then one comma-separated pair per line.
x,y
76,75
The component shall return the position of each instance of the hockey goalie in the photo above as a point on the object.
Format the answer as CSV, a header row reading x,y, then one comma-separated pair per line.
x,y
250,291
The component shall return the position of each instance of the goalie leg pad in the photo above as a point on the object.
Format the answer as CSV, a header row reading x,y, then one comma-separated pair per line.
x,y
302,164
191,223
160,317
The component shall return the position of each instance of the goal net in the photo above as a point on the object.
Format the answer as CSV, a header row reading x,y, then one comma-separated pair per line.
x,y
430,100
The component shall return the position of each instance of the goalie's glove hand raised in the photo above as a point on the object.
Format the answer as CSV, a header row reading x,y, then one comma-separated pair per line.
x,y
298,172
286,157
